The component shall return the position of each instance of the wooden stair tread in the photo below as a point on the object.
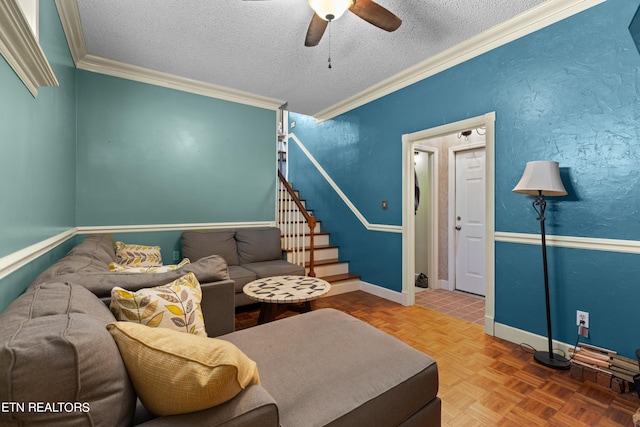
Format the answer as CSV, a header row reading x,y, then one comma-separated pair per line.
x,y
325,262
315,247
340,277
316,233
288,195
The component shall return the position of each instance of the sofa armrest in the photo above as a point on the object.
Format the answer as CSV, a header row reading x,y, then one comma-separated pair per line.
x,y
218,307
254,406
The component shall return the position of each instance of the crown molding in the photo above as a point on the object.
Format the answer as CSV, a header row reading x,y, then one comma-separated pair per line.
x,y
122,70
72,24
19,46
534,19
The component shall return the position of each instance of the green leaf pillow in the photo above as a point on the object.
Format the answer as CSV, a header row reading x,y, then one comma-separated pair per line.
x,y
175,305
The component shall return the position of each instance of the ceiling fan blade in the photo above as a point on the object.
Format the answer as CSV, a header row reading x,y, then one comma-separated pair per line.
x,y
376,15
315,31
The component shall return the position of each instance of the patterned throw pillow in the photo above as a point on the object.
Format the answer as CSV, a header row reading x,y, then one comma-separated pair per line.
x,y
176,373
175,306
115,267
138,255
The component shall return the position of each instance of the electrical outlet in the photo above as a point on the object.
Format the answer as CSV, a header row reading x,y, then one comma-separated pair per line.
x,y
176,255
582,316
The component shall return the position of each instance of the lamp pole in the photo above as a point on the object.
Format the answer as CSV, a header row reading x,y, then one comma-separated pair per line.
x,y
547,358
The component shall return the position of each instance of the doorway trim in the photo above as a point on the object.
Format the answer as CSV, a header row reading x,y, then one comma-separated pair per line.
x,y
409,142
432,202
451,213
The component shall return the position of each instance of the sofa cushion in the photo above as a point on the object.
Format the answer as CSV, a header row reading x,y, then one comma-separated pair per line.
x,y
258,244
176,373
92,255
175,305
54,348
199,244
277,267
387,380
138,255
241,276
207,270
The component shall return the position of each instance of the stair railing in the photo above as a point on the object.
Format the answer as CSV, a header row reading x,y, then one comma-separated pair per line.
x,y
293,232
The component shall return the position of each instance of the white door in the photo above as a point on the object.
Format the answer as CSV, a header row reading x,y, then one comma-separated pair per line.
x,y
470,221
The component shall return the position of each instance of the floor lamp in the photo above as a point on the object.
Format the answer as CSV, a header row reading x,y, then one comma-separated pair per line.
x,y
542,178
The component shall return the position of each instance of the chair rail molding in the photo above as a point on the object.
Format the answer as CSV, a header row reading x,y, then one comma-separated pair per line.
x,y
19,46
102,229
18,259
573,242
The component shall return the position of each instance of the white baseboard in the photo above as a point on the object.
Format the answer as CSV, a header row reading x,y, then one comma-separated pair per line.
x,y
385,293
444,284
539,342
343,288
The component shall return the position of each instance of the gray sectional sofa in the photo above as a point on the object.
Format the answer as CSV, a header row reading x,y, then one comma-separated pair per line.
x,y
251,253
88,262
319,368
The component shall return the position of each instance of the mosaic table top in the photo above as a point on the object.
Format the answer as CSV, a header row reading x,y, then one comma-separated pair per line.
x,y
286,289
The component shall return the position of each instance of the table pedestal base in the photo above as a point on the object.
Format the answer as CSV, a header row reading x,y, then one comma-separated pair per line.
x,y
270,311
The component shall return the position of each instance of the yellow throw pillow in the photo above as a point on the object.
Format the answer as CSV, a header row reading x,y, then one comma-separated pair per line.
x,y
115,267
138,255
175,373
175,305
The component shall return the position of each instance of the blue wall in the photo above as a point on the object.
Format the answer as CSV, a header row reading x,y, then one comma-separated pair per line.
x,y
38,164
102,151
567,93
37,139
151,155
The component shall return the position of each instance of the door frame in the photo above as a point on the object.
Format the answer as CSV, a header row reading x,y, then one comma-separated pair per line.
x,y
409,142
451,214
432,203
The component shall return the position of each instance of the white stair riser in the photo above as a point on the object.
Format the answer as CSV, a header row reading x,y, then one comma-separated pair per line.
x,y
331,269
282,204
288,210
284,193
318,240
318,254
300,228
294,215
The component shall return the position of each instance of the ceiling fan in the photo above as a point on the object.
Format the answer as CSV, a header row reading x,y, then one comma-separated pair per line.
x,y
326,11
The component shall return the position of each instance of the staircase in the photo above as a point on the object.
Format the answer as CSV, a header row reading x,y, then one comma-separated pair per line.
x,y
296,241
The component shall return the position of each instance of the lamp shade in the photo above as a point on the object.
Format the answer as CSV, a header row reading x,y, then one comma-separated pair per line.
x,y
330,10
541,175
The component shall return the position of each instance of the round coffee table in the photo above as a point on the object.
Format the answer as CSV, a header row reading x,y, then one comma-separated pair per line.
x,y
279,294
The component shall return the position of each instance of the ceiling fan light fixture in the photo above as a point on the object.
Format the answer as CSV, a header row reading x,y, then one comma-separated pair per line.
x,y
330,10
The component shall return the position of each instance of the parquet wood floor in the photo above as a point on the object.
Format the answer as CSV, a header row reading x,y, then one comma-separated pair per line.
x,y
484,381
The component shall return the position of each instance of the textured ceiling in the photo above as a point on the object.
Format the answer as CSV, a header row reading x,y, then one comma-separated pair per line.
x,y
258,46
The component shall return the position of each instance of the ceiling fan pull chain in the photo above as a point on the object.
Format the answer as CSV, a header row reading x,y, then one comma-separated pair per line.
x,y
329,44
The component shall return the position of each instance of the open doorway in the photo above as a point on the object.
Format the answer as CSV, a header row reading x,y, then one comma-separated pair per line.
x,y
440,267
